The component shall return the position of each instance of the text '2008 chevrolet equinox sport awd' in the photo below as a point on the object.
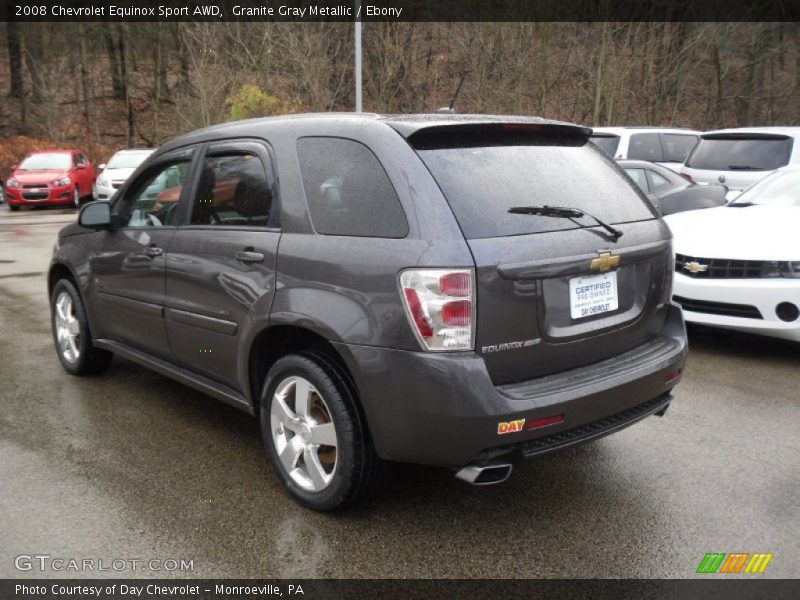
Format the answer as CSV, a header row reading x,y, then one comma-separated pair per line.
x,y
449,290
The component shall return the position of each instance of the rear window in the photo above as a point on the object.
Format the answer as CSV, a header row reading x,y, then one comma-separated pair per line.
x,y
606,143
645,146
348,191
741,153
677,146
484,176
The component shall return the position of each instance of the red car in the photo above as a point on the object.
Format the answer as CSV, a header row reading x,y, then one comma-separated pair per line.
x,y
50,177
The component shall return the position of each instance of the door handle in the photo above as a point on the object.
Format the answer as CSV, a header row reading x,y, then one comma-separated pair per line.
x,y
153,251
248,256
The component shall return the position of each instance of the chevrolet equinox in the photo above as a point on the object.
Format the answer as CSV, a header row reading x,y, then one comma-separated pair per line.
x,y
451,290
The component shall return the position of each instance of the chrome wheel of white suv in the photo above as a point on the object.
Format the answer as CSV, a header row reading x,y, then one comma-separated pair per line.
x,y
304,434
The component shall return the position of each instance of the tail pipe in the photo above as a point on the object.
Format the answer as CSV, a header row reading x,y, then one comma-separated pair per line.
x,y
485,474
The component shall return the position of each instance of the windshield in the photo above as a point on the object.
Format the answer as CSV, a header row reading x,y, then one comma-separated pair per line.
x,y
127,160
606,143
483,176
50,160
741,153
781,188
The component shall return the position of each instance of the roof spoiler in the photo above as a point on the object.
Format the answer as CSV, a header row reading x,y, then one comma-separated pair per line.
x,y
416,135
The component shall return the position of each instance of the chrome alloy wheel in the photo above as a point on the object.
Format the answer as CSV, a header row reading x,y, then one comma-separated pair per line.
x,y
303,434
68,330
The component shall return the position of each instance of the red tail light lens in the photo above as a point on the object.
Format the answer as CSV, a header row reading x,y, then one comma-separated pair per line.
x,y
687,177
440,305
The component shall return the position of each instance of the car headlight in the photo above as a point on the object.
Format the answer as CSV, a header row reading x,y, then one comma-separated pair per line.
x,y
12,183
60,182
774,268
102,181
792,269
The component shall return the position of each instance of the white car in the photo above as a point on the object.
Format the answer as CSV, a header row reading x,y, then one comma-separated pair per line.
x,y
738,266
737,158
116,172
663,145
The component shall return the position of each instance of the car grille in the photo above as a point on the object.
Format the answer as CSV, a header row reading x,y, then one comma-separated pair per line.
x,y
36,195
589,430
719,308
718,268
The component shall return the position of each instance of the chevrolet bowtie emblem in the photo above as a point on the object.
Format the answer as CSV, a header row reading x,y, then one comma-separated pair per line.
x,y
695,267
604,262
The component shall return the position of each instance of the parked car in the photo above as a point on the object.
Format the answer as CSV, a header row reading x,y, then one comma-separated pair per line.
x,y
663,145
412,291
668,191
50,177
738,267
737,158
116,172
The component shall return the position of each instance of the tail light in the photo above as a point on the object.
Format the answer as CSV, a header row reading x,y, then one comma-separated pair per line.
x,y
440,304
687,177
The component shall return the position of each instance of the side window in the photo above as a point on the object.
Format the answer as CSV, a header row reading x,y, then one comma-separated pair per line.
x,y
81,159
233,190
657,181
152,201
677,146
638,177
645,146
348,191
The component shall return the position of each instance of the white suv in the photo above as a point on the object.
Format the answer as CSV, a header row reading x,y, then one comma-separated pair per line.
x,y
670,147
116,172
737,158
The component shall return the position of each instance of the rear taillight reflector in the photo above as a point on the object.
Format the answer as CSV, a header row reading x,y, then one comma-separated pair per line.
x,y
545,421
440,304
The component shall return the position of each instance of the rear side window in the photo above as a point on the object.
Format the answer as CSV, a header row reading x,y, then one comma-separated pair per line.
x,y
645,146
739,153
348,191
677,146
233,190
606,143
482,176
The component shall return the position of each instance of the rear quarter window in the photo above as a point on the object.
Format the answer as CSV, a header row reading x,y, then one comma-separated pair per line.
x,y
606,143
677,146
347,190
482,176
645,146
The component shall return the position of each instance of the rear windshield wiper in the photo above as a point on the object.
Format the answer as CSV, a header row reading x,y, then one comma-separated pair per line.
x,y
564,213
744,168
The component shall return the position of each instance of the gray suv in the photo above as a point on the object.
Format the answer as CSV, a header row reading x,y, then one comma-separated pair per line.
x,y
451,290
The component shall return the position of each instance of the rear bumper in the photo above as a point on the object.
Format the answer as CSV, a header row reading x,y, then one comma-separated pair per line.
x,y
442,409
743,304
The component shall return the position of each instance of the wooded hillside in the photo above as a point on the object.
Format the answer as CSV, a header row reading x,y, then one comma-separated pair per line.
x,y
108,85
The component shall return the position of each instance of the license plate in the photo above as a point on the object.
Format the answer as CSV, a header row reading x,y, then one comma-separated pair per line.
x,y
593,295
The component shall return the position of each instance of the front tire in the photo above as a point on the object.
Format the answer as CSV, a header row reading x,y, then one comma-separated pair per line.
x,y
76,197
71,333
314,434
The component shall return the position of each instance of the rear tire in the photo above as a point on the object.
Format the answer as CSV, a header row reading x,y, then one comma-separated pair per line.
x,y
71,333
314,433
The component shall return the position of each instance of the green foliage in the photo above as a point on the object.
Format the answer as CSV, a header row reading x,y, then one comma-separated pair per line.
x,y
251,101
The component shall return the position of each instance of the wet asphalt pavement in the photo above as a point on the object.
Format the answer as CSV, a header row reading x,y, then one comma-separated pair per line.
x,y
131,465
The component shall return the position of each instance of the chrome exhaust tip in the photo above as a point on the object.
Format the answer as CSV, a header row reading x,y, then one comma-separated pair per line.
x,y
485,474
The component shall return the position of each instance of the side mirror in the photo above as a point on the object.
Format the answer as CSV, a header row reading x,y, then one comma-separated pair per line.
x,y
14,166
95,215
101,167
80,166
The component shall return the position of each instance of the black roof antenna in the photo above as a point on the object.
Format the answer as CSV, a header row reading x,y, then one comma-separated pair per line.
x,y
448,110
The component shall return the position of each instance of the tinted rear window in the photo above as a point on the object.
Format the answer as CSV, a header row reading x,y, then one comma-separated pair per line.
x,y
677,146
741,154
348,191
483,176
645,146
606,143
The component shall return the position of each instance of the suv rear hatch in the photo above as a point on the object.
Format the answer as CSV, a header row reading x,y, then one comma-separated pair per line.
x,y
737,159
553,293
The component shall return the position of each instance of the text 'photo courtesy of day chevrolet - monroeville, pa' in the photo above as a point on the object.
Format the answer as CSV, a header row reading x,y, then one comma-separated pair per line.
x,y
343,299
